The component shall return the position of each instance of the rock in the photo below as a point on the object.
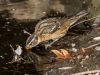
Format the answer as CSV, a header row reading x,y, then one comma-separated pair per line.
x,y
94,9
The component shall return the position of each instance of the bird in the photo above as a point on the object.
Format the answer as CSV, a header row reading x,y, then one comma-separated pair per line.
x,y
52,29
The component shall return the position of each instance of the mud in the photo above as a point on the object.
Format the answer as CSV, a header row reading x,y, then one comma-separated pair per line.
x,y
17,15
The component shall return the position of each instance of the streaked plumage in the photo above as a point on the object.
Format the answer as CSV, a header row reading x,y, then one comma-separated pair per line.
x,y
52,28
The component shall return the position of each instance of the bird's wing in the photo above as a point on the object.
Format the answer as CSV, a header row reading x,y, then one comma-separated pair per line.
x,y
48,26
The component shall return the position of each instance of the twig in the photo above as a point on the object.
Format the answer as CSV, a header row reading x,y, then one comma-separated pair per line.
x,y
26,32
14,55
85,21
92,45
86,72
13,49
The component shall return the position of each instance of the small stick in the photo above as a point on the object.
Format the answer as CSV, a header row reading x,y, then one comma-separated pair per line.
x,y
15,52
86,72
13,49
92,45
26,32
85,21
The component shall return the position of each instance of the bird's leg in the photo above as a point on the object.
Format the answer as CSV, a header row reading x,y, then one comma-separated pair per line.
x,y
49,45
26,32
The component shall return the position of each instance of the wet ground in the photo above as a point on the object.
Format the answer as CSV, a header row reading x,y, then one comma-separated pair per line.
x,y
11,32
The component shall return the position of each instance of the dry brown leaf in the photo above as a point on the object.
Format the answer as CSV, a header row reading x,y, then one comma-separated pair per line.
x,y
80,56
98,28
65,53
81,51
59,54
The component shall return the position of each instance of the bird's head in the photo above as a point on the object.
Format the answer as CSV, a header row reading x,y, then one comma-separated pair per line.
x,y
32,41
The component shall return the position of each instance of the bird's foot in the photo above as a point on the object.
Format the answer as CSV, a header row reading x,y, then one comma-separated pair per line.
x,y
47,45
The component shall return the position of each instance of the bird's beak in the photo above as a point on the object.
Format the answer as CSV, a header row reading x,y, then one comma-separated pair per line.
x,y
28,48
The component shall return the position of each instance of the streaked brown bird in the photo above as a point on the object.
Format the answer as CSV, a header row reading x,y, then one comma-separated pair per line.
x,y
51,28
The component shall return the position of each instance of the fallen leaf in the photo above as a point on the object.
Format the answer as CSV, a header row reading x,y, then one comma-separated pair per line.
x,y
18,50
97,48
81,51
17,53
73,45
65,53
80,56
59,54
98,28
74,49
96,38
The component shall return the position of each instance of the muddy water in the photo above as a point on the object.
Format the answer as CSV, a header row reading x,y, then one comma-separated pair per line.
x,y
11,29
11,32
